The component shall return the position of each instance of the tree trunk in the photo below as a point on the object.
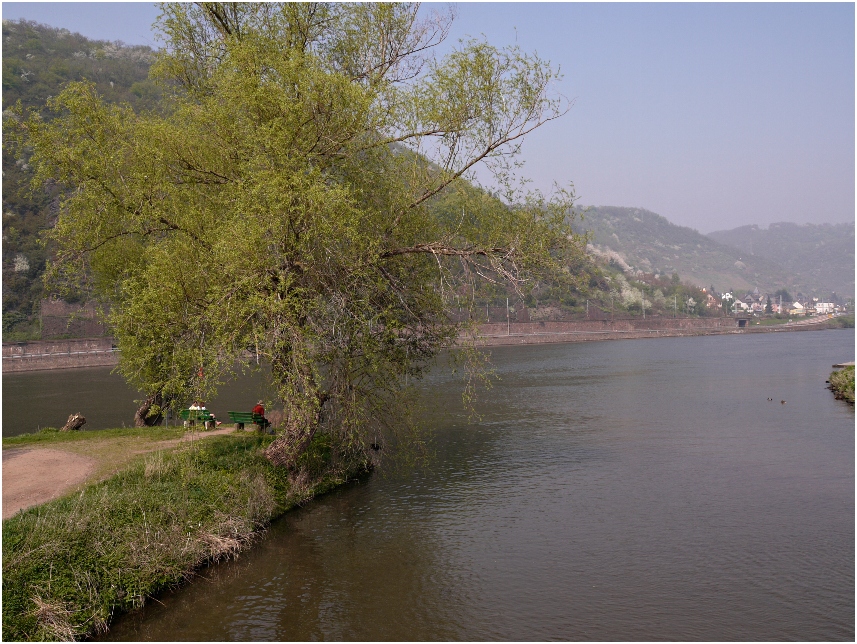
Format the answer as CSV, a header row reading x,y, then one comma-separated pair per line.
x,y
142,418
74,422
294,441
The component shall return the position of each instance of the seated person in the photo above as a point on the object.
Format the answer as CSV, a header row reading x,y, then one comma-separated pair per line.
x,y
259,409
196,407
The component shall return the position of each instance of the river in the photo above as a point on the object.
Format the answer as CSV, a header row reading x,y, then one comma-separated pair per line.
x,y
630,490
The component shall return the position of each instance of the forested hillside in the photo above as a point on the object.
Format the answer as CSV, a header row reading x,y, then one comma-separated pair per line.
x,y
820,256
37,62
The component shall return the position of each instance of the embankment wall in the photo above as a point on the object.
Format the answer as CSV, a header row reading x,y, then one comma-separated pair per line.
x,y
58,354
588,331
98,352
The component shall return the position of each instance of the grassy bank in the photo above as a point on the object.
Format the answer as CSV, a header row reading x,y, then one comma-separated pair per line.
x,y
842,322
111,449
842,384
71,565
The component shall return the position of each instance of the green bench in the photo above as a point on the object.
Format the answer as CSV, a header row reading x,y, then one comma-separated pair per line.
x,y
201,415
240,418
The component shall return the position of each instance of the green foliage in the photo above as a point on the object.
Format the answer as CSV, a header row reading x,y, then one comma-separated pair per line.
x,y
784,294
842,321
301,195
71,565
616,294
842,383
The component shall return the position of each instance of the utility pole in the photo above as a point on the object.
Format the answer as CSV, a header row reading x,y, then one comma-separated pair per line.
x,y
587,309
508,323
675,305
643,303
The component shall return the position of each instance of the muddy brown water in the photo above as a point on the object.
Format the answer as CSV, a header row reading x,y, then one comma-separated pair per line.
x,y
632,490
37,399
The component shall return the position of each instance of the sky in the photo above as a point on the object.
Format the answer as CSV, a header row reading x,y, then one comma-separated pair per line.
x,y
712,115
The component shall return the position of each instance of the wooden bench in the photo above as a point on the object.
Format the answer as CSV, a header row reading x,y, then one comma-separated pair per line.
x,y
201,415
240,418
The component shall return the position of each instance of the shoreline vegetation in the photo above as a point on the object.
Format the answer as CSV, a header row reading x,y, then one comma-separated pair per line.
x,y
70,566
842,384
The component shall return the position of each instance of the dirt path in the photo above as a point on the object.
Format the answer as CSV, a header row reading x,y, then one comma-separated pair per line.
x,y
36,475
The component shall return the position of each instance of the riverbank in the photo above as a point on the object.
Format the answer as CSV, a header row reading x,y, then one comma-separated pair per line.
x,y
89,352
38,355
501,334
71,565
842,383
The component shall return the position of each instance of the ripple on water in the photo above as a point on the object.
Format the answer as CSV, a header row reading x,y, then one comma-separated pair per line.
x,y
636,490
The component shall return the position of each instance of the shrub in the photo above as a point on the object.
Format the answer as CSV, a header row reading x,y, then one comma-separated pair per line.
x,y
842,384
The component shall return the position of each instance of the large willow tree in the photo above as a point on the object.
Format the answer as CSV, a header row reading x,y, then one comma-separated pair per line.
x,y
300,198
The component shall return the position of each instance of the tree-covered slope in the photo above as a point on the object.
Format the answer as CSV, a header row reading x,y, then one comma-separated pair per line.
x,y
649,242
38,61
821,256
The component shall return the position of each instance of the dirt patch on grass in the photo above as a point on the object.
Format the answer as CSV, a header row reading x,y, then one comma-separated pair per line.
x,y
36,475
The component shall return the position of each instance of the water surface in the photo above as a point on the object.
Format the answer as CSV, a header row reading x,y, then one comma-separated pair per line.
x,y
631,490
37,399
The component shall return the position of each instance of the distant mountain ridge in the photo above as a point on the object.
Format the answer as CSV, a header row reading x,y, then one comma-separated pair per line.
x,y
648,242
819,254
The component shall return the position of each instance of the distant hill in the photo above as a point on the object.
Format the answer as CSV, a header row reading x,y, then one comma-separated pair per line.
x,y
38,61
648,242
820,256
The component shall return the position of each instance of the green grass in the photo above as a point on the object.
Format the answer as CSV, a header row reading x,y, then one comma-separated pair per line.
x,y
52,435
71,565
842,383
773,321
842,321
111,449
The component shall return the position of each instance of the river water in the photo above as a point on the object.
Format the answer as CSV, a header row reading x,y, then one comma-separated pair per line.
x,y
37,399
630,490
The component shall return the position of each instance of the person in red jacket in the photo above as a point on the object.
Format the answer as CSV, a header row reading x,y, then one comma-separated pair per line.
x,y
264,423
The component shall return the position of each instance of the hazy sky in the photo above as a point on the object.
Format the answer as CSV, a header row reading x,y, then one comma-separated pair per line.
x,y
712,115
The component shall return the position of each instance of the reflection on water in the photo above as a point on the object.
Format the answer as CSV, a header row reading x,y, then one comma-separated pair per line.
x,y
630,490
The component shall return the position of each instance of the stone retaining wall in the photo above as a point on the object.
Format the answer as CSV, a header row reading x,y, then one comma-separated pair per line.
x,y
58,354
99,352
606,326
551,332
